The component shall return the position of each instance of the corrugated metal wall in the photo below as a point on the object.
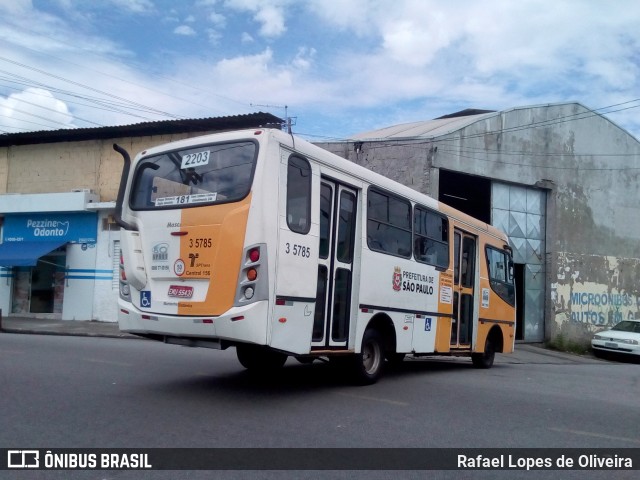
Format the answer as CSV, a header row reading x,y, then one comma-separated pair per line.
x,y
520,211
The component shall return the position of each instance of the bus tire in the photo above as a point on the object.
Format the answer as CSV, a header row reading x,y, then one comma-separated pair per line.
x,y
259,359
485,359
367,365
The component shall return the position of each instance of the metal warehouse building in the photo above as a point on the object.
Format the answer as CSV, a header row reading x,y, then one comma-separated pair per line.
x,y
560,179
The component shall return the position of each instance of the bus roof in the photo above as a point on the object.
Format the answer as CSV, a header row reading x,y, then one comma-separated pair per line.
x,y
336,162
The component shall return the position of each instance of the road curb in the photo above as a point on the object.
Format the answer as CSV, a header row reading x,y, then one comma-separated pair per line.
x,y
68,334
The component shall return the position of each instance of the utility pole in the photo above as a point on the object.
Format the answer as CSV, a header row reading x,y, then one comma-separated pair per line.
x,y
288,121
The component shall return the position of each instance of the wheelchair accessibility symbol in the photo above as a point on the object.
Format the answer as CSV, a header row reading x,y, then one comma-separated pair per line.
x,y
145,299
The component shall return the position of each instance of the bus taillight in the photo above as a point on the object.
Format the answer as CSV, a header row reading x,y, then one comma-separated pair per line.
x,y
252,274
254,254
125,291
253,282
123,276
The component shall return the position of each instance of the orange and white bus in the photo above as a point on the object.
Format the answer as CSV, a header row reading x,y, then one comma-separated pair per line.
x,y
259,240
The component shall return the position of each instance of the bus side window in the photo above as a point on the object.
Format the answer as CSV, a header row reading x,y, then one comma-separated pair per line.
x,y
299,195
468,256
388,223
500,279
430,237
326,201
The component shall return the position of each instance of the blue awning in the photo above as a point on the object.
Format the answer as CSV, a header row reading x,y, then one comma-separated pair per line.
x,y
25,254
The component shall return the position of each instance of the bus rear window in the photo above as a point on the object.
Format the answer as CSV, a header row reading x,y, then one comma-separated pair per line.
x,y
207,174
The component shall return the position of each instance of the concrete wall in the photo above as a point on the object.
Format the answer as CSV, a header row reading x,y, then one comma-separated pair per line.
x,y
407,163
591,292
105,300
4,169
62,167
591,167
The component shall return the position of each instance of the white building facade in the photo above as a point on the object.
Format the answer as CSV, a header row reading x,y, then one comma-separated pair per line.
x,y
59,242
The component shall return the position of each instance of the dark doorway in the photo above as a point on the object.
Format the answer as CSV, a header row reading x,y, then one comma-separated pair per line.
x,y
467,193
472,195
40,289
47,284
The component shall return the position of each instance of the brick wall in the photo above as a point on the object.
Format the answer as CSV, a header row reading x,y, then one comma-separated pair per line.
x,y
64,166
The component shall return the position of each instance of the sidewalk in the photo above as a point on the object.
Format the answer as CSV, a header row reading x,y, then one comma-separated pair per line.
x,y
46,326
524,353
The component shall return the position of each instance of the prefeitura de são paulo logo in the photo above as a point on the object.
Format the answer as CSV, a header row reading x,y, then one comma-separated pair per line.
x,y
397,278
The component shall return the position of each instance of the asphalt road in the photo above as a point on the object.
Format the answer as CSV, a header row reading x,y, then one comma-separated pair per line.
x,y
74,392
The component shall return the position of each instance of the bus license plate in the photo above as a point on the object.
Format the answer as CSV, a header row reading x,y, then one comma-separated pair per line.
x,y
180,291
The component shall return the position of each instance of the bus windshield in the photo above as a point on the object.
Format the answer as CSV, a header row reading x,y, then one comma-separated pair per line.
x,y
208,174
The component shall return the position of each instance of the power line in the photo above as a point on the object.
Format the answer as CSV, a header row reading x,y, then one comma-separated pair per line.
x,y
444,144
406,141
448,138
146,87
547,167
128,102
75,117
99,104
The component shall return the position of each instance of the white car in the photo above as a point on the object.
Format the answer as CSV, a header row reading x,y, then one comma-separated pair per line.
x,y
623,338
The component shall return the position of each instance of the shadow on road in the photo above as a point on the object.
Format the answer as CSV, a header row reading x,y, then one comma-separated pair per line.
x,y
618,357
295,378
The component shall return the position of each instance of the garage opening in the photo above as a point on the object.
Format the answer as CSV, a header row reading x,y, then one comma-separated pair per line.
x,y
469,194
519,211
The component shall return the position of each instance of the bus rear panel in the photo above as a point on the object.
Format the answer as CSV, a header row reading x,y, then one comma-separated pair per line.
x,y
186,263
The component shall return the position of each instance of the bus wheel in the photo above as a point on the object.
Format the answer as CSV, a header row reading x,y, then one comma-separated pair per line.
x,y
485,360
367,365
260,359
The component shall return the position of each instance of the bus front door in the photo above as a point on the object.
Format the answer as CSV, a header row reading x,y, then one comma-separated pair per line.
x,y
338,205
463,296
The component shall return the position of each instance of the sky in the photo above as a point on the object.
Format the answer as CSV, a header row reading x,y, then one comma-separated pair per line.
x,y
337,67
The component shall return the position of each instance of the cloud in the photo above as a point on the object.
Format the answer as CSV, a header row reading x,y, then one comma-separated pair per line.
x,y
136,6
304,58
213,35
269,13
35,30
272,20
33,109
15,7
364,61
218,20
185,30
360,17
